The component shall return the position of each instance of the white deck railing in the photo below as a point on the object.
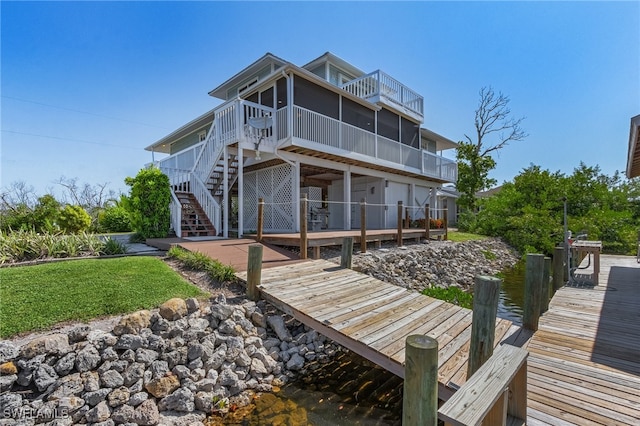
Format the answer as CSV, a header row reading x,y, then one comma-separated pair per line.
x,y
175,209
380,84
327,131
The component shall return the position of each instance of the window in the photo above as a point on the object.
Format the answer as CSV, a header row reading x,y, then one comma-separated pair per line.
x,y
202,135
357,115
315,98
266,98
410,133
247,85
281,93
388,125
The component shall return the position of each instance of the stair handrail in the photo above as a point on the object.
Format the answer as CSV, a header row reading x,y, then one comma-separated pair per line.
x,y
175,206
206,200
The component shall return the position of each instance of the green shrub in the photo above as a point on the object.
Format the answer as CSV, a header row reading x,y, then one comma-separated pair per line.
x,y
114,219
148,203
467,221
74,219
453,295
21,246
201,262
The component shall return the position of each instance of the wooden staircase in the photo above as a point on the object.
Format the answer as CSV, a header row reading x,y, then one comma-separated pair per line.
x,y
216,180
194,222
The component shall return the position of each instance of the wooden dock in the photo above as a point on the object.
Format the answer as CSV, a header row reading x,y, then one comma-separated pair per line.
x,y
584,362
373,318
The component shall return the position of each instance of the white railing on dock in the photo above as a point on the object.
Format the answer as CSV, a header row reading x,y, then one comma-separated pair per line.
x,y
381,84
327,131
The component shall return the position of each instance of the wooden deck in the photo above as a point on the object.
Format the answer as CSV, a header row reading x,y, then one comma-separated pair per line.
x,y
373,318
584,362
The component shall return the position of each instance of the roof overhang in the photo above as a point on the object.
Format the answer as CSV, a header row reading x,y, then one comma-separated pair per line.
x,y
633,158
164,144
337,61
220,92
442,143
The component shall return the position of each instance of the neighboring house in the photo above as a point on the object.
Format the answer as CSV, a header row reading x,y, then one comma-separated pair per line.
x,y
326,129
447,203
633,157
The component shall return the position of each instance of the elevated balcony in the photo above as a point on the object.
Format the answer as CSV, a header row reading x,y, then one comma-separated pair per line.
x,y
380,87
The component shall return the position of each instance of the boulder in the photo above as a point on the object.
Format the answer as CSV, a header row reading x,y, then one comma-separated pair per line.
x,y
8,351
163,386
99,413
146,413
181,400
133,323
173,309
53,344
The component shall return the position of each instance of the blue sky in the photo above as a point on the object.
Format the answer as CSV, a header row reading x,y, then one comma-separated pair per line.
x,y
86,86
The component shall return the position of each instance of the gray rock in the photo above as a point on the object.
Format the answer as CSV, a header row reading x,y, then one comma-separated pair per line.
x,y
235,346
111,379
94,398
137,386
192,305
269,343
129,355
195,350
7,381
120,365
228,378
109,354
10,402
99,413
70,404
243,360
227,326
146,356
87,359
8,351
65,364
204,401
181,400
79,333
91,381
206,385
107,422
257,367
263,356
118,397
156,343
198,324
276,322
221,311
44,376
67,386
101,339
130,341
159,368
196,363
147,413
138,398
295,363
176,357
133,373
213,375
123,414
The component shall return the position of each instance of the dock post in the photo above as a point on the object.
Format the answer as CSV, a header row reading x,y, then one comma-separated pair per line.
x,y
558,268
363,225
533,282
400,209
486,295
303,227
545,295
427,221
254,271
420,389
347,252
260,218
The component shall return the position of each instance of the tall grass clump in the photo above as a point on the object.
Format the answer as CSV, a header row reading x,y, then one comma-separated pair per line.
x,y
200,262
24,245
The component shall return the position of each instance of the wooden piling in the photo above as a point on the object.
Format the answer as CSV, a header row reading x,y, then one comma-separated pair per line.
x,y
363,226
427,220
545,295
400,209
260,218
303,227
558,268
420,390
532,290
347,252
254,271
486,295
445,224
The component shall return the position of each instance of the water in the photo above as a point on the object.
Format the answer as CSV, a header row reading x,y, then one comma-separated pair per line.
x,y
512,293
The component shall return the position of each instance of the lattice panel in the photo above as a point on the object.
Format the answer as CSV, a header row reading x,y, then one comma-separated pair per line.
x,y
275,186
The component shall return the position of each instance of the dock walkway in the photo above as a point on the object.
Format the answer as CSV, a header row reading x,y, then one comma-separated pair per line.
x,y
373,318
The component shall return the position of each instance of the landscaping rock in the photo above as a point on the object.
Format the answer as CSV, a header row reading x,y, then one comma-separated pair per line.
x,y
180,400
173,309
87,359
147,413
8,351
133,323
163,386
54,344
99,413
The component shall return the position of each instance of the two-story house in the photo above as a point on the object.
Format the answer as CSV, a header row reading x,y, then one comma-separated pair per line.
x,y
326,129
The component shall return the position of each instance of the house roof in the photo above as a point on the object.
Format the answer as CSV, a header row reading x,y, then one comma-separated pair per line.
x,y
442,143
164,144
268,59
337,61
633,156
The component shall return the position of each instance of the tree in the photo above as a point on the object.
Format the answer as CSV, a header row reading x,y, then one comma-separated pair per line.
x,y
148,203
492,121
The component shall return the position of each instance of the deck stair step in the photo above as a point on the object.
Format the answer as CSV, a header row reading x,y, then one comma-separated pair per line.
x,y
194,221
216,180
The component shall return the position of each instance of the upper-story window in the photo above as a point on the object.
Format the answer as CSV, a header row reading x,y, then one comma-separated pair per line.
x,y
202,135
388,124
247,85
315,98
358,115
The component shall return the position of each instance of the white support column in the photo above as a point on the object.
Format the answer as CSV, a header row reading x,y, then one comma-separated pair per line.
x,y
240,192
347,199
433,202
412,201
296,196
225,192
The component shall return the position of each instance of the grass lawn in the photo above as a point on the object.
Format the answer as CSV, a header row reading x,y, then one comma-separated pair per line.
x,y
37,297
465,236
